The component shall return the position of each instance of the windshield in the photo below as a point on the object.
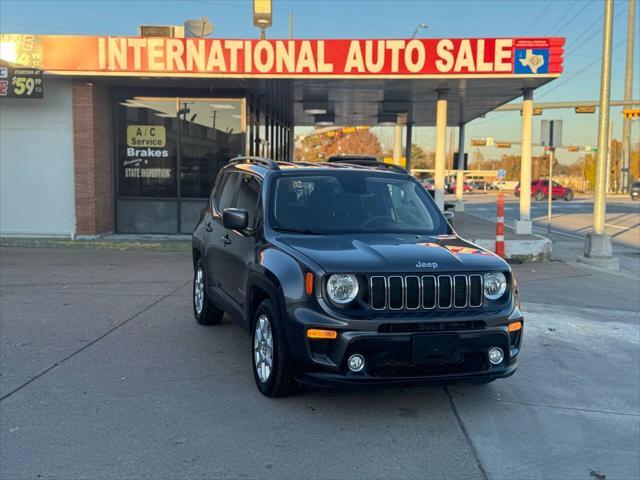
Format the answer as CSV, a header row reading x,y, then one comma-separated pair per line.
x,y
353,202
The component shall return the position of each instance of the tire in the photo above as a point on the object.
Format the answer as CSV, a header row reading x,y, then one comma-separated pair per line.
x,y
204,310
568,196
276,379
538,196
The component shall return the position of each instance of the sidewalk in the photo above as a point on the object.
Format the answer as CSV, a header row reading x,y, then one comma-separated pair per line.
x,y
524,248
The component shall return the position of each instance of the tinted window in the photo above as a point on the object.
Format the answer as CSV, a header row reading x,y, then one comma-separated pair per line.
x,y
349,202
248,194
227,191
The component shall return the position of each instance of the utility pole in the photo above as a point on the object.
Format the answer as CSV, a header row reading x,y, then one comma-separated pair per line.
x,y
552,152
291,25
628,91
598,249
609,155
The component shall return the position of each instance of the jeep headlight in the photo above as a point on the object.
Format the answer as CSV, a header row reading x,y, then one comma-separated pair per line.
x,y
342,288
495,284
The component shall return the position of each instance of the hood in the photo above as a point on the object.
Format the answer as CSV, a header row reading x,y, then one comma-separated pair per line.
x,y
393,253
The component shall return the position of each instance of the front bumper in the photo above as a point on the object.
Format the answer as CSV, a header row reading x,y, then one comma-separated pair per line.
x,y
389,348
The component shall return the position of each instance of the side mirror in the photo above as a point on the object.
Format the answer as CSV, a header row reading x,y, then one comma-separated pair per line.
x,y
235,218
449,215
449,206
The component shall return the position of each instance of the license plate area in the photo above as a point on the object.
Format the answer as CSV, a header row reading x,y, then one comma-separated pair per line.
x,y
436,348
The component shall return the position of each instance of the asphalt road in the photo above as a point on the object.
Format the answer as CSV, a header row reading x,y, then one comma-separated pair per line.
x,y
574,218
105,374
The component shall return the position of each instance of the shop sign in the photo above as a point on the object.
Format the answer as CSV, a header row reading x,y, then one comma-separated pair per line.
x,y
20,66
144,145
446,57
154,136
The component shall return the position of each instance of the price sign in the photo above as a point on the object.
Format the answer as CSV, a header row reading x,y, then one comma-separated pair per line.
x,y
21,66
21,83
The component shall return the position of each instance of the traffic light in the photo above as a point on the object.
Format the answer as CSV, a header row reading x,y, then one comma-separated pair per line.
x,y
503,145
478,142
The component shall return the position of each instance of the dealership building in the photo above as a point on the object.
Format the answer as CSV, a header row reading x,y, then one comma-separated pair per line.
x,y
104,135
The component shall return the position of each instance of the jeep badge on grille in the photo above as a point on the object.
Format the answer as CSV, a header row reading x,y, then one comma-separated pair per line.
x,y
433,265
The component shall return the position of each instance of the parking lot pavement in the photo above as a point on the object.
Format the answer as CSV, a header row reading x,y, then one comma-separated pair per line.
x,y
105,374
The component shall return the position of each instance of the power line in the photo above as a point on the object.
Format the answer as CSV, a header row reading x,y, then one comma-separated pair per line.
x,y
588,65
570,20
540,15
562,17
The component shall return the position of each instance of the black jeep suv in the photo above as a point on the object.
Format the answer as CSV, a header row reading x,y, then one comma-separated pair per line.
x,y
350,274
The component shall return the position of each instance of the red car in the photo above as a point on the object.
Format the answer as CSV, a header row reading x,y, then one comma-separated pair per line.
x,y
540,190
466,187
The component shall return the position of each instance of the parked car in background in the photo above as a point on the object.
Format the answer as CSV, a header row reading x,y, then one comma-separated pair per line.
x,y
428,183
466,187
540,190
503,185
635,191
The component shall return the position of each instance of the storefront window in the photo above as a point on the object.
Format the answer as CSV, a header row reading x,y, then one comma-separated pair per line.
x,y
210,135
169,151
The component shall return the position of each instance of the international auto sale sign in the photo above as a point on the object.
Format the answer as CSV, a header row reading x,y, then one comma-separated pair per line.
x,y
445,57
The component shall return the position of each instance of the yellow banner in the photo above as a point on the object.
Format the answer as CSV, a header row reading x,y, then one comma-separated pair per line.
x,y
151,136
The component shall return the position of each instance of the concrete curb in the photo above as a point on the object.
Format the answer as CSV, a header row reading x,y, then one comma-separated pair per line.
x,y
525,250
538,250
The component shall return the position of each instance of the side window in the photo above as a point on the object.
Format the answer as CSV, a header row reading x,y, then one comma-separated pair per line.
x,y
225,191
248,195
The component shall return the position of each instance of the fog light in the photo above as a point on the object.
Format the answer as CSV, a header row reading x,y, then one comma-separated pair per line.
x,y
496,355
356,362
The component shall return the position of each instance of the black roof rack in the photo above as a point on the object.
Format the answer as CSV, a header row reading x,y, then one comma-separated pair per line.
x,y
265,162
371,164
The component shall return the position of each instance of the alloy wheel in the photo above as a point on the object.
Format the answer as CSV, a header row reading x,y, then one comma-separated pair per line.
x,y
198,291
263,348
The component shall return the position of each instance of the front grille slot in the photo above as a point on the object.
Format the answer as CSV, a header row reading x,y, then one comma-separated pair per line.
x,y
396,292
444,291
460,291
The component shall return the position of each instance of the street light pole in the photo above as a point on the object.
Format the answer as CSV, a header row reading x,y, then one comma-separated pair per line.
x,y
628,92
598,249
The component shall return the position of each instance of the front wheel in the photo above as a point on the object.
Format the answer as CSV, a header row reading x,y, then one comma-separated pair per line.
x,y
538,196
271,362
206,313
568,196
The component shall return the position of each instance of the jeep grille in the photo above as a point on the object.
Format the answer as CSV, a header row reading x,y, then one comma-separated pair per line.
x,y
426,292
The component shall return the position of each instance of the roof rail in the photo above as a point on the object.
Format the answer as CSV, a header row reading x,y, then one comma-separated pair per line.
x,y
265,162
370,164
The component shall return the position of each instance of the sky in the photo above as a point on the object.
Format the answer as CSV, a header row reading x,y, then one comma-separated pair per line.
x,y
580,21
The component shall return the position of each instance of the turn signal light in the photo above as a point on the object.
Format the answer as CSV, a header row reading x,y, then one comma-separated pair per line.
x,y
321,334
308,283
515,326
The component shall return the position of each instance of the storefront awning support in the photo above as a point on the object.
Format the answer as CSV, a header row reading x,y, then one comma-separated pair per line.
x,y
460,168
441,145
523,224
408,147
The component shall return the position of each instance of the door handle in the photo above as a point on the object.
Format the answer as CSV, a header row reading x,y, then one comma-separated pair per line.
x,y
225,239
208,227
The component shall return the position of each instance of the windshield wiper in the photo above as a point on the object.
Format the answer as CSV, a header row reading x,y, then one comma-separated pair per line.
x,y
296,230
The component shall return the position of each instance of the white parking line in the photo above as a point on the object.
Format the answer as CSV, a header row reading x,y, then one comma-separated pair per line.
x,y
617,226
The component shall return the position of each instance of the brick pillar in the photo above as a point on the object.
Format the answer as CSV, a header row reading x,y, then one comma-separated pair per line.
x,y
92,159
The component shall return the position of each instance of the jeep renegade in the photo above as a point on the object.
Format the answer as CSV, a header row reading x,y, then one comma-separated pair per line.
x,y
350,275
